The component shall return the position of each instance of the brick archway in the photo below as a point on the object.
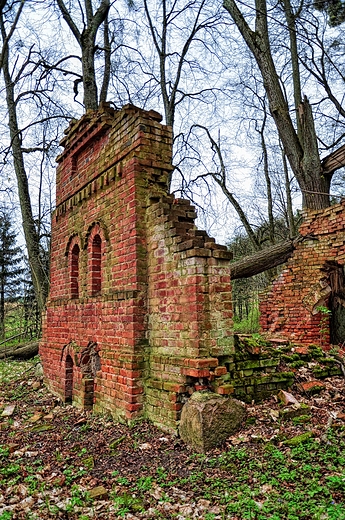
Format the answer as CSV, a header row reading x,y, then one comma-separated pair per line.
x,y
72,253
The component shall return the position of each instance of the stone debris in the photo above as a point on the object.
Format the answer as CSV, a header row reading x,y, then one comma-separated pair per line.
x,y
8,411
98,492
207,419
287,398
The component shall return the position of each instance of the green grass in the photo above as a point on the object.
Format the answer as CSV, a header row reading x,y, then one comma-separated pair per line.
x,y
266,482
12,370
20,327
250,324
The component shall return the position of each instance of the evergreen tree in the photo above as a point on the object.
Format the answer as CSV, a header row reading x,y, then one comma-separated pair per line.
x,y
32,315
10,266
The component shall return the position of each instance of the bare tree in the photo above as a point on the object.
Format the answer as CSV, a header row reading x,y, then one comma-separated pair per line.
x,y
301,144
30,140
165,19
32,239
91,21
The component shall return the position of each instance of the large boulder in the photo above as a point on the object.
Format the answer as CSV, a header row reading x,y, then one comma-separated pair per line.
x,y
207,419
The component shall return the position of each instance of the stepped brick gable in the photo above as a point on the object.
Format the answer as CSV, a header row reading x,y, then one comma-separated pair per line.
x,y
139,313
306,303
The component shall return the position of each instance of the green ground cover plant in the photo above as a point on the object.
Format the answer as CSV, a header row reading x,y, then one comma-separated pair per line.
x,y
273,469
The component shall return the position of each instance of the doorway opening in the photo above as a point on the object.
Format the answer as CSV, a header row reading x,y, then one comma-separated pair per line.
x,y
68,379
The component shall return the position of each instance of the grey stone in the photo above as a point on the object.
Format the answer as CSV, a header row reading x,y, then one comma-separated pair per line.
x,y
207,419
39,370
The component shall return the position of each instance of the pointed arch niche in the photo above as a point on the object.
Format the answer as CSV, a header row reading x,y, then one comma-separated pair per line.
x,y
73,254
95,251
69,379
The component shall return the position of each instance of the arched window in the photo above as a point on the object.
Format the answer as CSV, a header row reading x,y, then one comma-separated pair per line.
x,y
75,271
96,258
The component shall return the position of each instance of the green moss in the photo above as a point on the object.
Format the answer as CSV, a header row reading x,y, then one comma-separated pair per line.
x,y
320,372
316,352
298,439
301,419
290,358
297,364
291,412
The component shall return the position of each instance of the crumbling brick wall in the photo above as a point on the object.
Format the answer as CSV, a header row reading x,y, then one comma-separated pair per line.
x,y
189,309
291,307
139,312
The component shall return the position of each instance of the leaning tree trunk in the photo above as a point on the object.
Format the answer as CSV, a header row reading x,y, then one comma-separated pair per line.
x,y
39,276
263,260
22,351
302,154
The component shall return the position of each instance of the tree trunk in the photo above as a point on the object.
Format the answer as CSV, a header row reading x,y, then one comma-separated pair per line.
x,y
26,351
263,260
303,155
39,276
89,75
107,62
267,179
289,206
86,41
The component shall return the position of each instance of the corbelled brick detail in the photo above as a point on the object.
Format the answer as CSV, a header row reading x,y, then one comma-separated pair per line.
x,y
290,308
139,312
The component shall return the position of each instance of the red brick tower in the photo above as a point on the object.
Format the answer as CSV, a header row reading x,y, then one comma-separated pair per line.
x,y
140,304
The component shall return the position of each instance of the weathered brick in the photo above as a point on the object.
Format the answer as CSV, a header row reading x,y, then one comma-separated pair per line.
x,y
135,288
289,307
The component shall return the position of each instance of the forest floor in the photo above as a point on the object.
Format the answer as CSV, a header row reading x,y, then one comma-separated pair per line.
x,y
59,462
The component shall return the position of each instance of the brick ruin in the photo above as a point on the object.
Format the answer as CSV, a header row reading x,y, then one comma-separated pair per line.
x,y
139,313
306,303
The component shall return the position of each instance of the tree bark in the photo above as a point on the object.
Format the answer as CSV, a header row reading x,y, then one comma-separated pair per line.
x,y
26,351
263,260
32,240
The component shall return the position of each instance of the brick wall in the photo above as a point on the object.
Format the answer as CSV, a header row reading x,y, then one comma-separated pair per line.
x,y
189,309
290,307
139,312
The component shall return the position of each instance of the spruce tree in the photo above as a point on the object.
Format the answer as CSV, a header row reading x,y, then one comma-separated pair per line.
x,y
10,266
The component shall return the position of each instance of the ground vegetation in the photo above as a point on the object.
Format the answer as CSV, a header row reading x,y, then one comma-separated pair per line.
x,y
59,462
11,268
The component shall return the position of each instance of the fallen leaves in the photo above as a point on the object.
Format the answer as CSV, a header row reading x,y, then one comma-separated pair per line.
x,y
8,410
57,461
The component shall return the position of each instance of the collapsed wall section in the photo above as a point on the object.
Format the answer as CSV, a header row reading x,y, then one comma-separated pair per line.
x,y
306,302
190,310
